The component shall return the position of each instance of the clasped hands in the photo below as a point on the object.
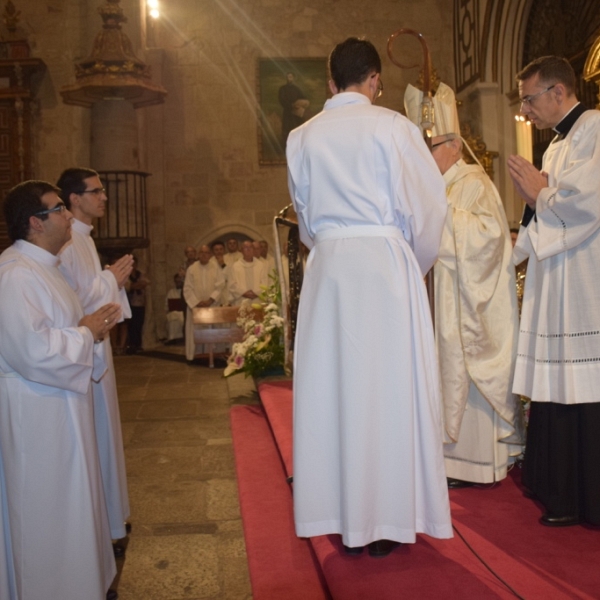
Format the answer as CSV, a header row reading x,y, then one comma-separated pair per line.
x,y
527,179
102,321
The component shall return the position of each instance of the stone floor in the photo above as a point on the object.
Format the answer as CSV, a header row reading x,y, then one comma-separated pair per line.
x,y
187,540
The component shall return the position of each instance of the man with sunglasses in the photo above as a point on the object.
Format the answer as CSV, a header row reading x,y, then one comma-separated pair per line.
x,y
368,461
559,341
84,195
55,538
476,317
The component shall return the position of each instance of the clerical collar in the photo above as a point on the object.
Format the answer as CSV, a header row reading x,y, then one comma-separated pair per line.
x,y
567,122
81,227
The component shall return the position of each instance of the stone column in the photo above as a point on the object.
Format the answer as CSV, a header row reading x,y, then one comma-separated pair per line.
x,y
114,144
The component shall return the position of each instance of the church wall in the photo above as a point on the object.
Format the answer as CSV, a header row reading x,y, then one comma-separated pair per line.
x,y
201,145
209,180
57,34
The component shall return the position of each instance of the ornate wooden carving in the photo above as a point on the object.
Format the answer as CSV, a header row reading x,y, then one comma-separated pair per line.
x,y
17,89
484,156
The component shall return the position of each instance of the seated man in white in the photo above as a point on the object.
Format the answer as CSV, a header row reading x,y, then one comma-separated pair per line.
x,y
264,254
174,307
233,254
203,287
247,277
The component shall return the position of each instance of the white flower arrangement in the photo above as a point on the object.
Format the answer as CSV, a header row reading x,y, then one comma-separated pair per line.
x,y
262,346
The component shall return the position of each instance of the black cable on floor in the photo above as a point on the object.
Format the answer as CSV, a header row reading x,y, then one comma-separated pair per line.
x,y
460,535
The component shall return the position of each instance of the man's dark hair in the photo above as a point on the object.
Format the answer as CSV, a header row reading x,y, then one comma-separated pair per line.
x,y
551,69
22,202
217,243
352,61
71,182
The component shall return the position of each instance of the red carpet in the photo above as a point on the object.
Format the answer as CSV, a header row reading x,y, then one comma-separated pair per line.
x,y
281,565
499,523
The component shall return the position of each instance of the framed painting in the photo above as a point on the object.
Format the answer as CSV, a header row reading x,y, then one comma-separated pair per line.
x,y
290,91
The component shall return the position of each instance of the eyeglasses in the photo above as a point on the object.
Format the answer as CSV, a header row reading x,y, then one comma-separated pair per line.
x,y
59,208
529,98
438,144
95,191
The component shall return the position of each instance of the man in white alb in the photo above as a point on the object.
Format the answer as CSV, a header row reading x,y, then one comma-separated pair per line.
x,y
233,254
56,540
559,340
368,459
83,194
203,287
247,277
476,316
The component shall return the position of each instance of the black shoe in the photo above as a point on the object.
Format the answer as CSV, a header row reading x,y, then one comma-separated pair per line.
x,y
353,551
118,550
550,520
457,484
127,527
382,548
112,595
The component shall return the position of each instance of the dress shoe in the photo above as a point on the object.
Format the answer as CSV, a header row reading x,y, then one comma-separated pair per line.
x,y
551,520
382,548
118,550
112,595
457,484
353,551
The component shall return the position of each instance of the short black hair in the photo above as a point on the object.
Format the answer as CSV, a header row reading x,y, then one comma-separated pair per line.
x,y
352,61
71,181
551,70
217,243
22,202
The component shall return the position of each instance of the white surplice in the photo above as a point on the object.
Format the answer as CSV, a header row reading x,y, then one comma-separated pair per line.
x,y
201,283
55,540
368,458
476,328
558,356
95,287
244,276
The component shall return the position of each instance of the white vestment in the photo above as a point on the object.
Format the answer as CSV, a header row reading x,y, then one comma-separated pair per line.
x,y
174,317
95,287
224,299
368,458
231,257
559,342
476,327
244,276
201,283
55,539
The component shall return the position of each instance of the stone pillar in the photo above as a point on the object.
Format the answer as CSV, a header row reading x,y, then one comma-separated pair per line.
x,y
114,144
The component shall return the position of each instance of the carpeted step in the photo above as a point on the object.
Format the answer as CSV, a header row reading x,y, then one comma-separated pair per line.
x,y
498,522
281,565
276,397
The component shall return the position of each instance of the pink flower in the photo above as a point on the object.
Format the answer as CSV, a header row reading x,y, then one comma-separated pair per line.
x,y
258,329
239,361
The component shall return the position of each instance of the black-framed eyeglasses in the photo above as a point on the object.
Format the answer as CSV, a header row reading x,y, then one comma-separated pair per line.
x,y
59,208
530,97
95,191
438,144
